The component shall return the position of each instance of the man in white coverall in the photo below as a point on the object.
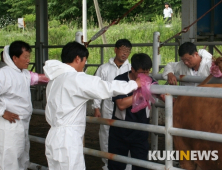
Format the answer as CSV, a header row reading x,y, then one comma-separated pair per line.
x,y
15,107
67,92
108,71
192,63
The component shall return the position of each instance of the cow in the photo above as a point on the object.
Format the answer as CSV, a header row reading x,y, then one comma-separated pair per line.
x,y
200,114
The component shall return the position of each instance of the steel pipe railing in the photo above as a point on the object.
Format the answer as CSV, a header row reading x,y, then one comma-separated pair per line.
x,y
37,139
187,91
128,125
215,137
183,78
168,130
34,166
117,123
39,112
114,157
107,155
124,159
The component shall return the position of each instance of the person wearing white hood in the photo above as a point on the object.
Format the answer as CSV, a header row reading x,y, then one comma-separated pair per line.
x,y
67,92
15,107
192,63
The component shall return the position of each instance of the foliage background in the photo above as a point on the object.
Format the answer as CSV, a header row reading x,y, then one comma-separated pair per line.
x,y
69,10
65,18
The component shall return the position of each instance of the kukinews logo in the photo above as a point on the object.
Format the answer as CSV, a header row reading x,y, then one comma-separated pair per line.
x,y
183,155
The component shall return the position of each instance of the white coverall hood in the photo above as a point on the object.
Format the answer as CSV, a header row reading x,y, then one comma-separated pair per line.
x,y
54,68
8,60
15,97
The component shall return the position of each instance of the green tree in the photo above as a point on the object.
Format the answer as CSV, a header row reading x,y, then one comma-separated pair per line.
x,y
68,10
71,10
3,8
19,8
5,18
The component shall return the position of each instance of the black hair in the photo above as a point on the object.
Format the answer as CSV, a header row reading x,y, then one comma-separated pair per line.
x,y
73,49
16,47
187,47
166,3
141,61
123,42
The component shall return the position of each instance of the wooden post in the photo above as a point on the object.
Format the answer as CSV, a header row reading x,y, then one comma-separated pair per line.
x,y
99,20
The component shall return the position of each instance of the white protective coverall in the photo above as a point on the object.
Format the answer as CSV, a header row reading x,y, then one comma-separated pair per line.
x,y
179,68
15,97
107,72
67,93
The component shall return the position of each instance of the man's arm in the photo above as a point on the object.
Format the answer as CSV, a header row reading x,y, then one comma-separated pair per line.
x,y
172,80
100,89
3,89
37,79
124,103
4,84
168,73
97,112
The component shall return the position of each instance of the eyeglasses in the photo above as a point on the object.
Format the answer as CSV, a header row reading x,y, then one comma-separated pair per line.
x,y
187,59
125,50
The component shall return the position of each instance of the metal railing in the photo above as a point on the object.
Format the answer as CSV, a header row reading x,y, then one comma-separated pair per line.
x,y
168,130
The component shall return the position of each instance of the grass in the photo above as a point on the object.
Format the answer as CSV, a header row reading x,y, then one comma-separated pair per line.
x,y
136,32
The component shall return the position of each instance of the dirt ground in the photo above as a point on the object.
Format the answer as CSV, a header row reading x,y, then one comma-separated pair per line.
x,y
39,127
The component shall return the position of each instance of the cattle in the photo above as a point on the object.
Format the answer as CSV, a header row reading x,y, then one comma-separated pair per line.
x,y
200,114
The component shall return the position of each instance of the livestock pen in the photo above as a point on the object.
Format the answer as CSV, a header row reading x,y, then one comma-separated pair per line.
x,y
168,130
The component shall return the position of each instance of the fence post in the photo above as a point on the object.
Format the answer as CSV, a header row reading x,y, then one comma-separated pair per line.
x,y
79,37
154,136
168,124
156,45
102,55
176,51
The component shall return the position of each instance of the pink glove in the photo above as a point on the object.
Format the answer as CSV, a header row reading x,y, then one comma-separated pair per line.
x,y
142,96
214,70
38,78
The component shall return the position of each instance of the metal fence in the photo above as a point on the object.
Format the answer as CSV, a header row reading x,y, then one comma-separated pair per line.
x,y
168,130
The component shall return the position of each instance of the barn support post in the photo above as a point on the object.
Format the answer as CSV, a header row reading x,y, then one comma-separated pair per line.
x,y
41,54
168,125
